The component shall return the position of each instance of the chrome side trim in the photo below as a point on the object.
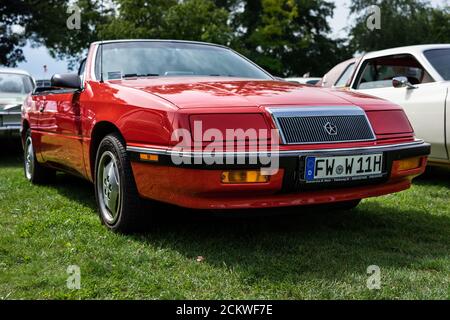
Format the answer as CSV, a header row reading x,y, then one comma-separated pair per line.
x,y
148,150
10,127
10,113
169,152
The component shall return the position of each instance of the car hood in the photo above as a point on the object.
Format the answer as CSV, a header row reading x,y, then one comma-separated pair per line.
x,y
9,102
227,92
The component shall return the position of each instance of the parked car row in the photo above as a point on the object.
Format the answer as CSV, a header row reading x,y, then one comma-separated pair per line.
x,y
156,125
415,77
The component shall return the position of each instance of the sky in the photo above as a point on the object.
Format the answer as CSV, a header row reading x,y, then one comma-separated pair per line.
x,y
341,18
38,57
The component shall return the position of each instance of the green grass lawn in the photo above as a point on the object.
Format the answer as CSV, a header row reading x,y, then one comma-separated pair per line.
x,y
293,254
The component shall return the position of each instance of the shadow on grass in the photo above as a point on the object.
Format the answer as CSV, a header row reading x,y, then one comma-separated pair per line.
x,y
438,176
295,244
76,189
290,240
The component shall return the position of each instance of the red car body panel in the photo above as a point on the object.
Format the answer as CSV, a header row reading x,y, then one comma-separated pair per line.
x,y
146,111
183,187
204,92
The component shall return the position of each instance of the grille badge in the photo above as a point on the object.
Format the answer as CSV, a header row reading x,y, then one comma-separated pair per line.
x,y
306,124
330,128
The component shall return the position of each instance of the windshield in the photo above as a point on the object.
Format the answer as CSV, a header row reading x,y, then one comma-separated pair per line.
x,y
440,59
152,58
342,81
15,83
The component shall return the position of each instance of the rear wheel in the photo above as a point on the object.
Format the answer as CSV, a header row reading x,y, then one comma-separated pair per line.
x,y
34,171
119,204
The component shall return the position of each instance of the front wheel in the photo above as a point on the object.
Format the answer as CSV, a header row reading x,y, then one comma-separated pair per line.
x,y
118,201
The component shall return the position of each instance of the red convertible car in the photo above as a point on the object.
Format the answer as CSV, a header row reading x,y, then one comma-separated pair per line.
x,y
200,126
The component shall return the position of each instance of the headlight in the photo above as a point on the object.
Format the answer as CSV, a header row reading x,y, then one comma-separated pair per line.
x,y
389,122
229,127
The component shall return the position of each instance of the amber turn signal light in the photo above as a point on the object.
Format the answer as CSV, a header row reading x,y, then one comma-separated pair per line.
x,y
244,176
148,157
409,164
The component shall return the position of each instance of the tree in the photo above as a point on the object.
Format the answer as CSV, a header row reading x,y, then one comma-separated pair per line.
x,y
287,37
169,19
11,40
403,22
45,23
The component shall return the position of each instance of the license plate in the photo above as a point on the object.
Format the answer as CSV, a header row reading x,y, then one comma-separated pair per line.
x,y
343,167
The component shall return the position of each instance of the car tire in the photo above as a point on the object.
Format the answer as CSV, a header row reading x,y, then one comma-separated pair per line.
x,y
34,171
118,201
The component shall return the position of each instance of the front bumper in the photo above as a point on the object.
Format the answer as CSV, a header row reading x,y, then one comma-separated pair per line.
x,y
198,184
10,122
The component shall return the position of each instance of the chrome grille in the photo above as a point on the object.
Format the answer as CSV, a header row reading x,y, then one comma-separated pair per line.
x,y
322,124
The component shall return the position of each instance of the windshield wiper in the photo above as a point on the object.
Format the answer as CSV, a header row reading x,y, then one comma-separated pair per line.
x,y
135,75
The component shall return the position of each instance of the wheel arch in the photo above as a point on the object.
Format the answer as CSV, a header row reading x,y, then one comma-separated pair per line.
x,y
99,131
23,130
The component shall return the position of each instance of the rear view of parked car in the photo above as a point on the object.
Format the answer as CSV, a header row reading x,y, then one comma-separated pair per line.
x,y
15,85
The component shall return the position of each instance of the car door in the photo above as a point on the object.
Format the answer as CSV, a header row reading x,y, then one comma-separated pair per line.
x,y
60,123
34,107
424,104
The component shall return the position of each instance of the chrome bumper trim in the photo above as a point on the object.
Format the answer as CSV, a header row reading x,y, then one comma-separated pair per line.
x,y
390,147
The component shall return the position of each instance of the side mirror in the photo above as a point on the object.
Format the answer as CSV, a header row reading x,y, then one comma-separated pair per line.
x,y
402,82
66,80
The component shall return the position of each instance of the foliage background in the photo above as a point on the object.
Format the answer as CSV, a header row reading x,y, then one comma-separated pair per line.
x,y
286,37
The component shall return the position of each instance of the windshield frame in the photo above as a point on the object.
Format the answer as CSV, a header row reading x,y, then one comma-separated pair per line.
x,y
98,50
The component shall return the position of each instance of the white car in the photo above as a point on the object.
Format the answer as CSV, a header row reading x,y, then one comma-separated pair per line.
x,y
15,85
339,75
418,79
